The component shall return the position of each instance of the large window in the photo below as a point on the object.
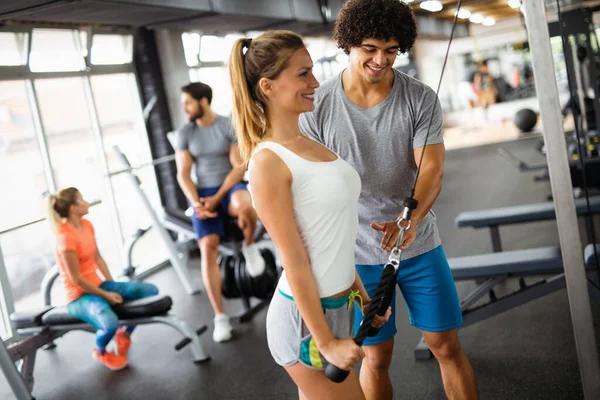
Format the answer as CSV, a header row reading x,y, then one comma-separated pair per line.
x,y
112,49
117,103
13,47
28,255
191,47
59,119
208,55
5,330
66,120
21,168
57,50
327,58
75,156
218,79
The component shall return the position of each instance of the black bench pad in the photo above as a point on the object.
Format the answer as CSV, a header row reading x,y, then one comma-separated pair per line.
x,y
26,319
146,307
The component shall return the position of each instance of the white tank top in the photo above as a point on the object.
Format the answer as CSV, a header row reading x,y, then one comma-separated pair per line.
x,y
325,200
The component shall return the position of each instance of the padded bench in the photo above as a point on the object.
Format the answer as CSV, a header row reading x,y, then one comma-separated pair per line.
x,y
538,261
147,307
143,308
520,214
495,268
41,327
489,270
495,217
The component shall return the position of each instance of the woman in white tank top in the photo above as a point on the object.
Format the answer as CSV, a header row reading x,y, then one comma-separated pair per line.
x,y
306,196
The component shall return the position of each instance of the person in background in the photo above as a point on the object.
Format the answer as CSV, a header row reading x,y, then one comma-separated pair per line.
x,y
207,143
89,286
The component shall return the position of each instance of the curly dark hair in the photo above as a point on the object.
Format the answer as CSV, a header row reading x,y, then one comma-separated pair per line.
x,y
375,19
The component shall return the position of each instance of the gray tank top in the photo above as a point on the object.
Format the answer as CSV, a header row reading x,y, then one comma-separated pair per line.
x,y
209,147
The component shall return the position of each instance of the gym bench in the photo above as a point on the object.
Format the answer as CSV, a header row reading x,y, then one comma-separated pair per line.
x,y
41,327
495,217
495,268
490,270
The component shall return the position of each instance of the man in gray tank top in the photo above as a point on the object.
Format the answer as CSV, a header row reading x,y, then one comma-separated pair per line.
x,y
377,118
208,143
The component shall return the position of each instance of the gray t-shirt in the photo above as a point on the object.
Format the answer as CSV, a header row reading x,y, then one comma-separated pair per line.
x,y
379,142
209,147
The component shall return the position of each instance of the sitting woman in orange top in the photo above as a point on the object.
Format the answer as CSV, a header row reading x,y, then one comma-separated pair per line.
x,y
89,286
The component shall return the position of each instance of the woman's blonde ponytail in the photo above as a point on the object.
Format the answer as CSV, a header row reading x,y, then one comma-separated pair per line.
x,y
265,57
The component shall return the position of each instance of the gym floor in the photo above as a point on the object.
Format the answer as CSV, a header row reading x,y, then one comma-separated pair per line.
x,y
525,353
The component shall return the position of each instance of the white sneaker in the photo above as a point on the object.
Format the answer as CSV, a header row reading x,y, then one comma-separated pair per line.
x,y
255,263
223,328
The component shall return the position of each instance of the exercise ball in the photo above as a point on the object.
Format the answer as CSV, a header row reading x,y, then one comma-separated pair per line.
x,y
525,120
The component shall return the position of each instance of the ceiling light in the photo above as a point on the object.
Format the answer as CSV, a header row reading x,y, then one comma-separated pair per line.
x,y
476,18
514,3
489,21
432,5
463,13
407,1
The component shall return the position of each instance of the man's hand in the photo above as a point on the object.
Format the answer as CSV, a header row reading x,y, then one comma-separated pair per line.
x,y
390,236
210,203
379,320
203,212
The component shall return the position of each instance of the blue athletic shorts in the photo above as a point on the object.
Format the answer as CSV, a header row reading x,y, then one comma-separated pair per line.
x,y
204,227
429,291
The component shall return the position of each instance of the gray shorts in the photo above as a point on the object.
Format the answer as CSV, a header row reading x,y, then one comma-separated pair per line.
x,y
288,337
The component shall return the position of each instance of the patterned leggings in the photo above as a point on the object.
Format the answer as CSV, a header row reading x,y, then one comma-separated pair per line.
x,y
97,312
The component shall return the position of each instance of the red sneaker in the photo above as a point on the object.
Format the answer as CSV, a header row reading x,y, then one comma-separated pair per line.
x,y
111,360
123,342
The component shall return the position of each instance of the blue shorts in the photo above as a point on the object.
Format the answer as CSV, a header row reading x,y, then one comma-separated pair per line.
x,y
208,226
429,291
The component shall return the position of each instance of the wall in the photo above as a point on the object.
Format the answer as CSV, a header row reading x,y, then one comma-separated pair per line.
x,y
175,71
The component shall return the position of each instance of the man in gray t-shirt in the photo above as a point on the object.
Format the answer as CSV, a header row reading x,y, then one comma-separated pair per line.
x,y
208,143
378,119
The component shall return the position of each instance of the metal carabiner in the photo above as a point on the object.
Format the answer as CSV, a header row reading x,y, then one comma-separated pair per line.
x,y
409,205
395,254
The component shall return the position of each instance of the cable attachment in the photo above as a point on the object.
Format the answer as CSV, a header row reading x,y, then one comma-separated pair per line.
x,y
403,224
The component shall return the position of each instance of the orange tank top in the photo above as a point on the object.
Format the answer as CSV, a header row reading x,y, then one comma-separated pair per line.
x,y
83,242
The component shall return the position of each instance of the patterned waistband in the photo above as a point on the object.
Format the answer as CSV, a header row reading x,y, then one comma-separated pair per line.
x,y
334,302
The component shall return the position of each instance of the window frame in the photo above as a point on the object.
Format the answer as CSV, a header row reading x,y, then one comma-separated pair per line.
x,y
24,73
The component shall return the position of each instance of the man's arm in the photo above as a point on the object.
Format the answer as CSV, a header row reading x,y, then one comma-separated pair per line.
x,y
428,138
183,159
235,176
429,182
